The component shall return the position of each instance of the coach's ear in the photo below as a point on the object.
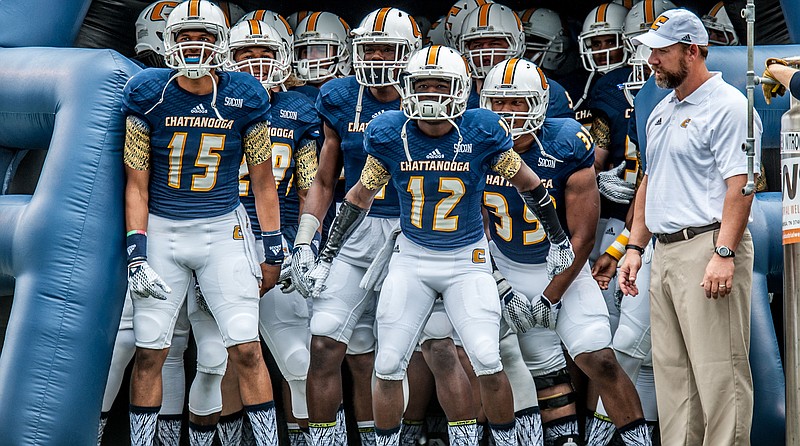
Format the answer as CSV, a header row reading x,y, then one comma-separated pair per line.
x,y
61,248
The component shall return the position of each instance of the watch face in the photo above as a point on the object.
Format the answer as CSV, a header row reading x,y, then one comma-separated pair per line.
x,y
723,251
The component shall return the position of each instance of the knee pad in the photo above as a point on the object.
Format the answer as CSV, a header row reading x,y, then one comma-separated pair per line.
x,y
632,340
486,358
325,324
389,365
550,380
212,357
296,365
297,389
205,395
362,340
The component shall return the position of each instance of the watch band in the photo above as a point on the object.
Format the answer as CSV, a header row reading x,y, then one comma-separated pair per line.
x,y
635,248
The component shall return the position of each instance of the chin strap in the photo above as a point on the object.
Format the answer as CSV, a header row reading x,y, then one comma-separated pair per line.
x,y
180,73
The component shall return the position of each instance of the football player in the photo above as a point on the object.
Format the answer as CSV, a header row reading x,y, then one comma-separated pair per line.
x,y
560,151
435,152
182,186
719,26
343,316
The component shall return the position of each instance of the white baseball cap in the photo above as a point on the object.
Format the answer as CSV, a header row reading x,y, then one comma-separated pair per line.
x,y
674,26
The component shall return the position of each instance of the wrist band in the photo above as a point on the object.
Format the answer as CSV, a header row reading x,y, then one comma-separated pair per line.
x,y
617,248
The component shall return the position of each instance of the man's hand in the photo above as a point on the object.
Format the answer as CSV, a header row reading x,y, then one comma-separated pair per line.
x,y
559,258
303,261
771,90
628,271
613,187
718,278
144,282
604,269
545,312
316,278
269,277
517,309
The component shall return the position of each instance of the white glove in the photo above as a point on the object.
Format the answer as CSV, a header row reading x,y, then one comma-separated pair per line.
x,y
144,282
613,187
545,312
559,258
517,309
285,278
303,261
316,278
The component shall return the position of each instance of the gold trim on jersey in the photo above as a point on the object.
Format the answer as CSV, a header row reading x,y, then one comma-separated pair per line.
x,y
257,144
136,152
508,164
374,176
307,163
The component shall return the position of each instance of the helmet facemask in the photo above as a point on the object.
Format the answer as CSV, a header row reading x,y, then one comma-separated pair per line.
x,y
195,58
589,55
428,106
379,72
640,72
481,60
316,58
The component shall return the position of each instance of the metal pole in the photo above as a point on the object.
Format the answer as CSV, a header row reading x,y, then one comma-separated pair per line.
x,y
749,14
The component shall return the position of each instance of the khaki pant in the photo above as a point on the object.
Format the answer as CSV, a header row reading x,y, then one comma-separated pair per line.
x,y
701,346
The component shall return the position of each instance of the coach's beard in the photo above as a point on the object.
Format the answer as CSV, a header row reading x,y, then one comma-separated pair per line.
x,y
672,79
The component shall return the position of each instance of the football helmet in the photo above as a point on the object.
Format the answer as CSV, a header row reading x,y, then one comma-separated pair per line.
x,y
719,26
232,11
322,47
296,17
641,17
424,25
435,35
628,4
640,72
277,23
607,19
270,72
491,20
195,59
386,26
456,16
150,33
518,78
545,39
435,62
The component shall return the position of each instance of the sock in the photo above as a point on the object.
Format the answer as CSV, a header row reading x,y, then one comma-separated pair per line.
x,y
635,434
229,429
600,430
410,431
480,431
143,424
201,435
504,434
564,428
296,435
323,434
387,437
262,418
651,429
529,426
101,427
169,430
366,430
341,427
247,433
463,433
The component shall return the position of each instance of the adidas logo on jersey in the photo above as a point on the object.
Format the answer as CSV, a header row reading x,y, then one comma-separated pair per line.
x,y
435,155
199,109
658,122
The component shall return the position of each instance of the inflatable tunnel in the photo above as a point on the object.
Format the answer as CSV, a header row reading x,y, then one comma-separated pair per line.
x,y
63,245
769,412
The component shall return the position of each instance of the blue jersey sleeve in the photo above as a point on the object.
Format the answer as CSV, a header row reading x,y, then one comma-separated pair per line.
x,y
559,105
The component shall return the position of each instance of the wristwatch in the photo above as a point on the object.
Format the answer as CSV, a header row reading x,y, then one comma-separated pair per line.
x,y
724,252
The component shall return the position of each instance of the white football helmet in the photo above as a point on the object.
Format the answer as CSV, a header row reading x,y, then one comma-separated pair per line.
x,y
605,20
435,62
456,16
719,26
518,78
270,72
491,20
150,32
386,26
296,17
195,59
322,47
641,17
640,72
276,22
435,35
545,39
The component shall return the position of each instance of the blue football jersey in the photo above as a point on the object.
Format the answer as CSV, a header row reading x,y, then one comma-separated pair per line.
x,y
336,105
195,156
293,123
559,105
441,187
513,227
607,99
309,91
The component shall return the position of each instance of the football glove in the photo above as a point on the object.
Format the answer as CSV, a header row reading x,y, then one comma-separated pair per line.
x,y
304,258
285,278
315,279
773,88
613,187
545,313
144,282
559,258
517,309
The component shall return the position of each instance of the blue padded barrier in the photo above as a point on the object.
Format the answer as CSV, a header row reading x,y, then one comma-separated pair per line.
x,y
56,22
64,244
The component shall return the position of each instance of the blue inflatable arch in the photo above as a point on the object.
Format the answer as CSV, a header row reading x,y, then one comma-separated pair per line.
x,y
64,244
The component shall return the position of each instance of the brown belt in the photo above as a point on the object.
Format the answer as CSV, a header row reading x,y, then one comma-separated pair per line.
x,y
686,233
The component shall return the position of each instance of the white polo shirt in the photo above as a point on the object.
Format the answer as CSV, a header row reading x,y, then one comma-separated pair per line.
x,y
692,147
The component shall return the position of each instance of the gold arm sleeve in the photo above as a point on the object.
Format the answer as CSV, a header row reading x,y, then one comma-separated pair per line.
x,y
136,152
307,163
601,132
507,164
374,176
257,144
